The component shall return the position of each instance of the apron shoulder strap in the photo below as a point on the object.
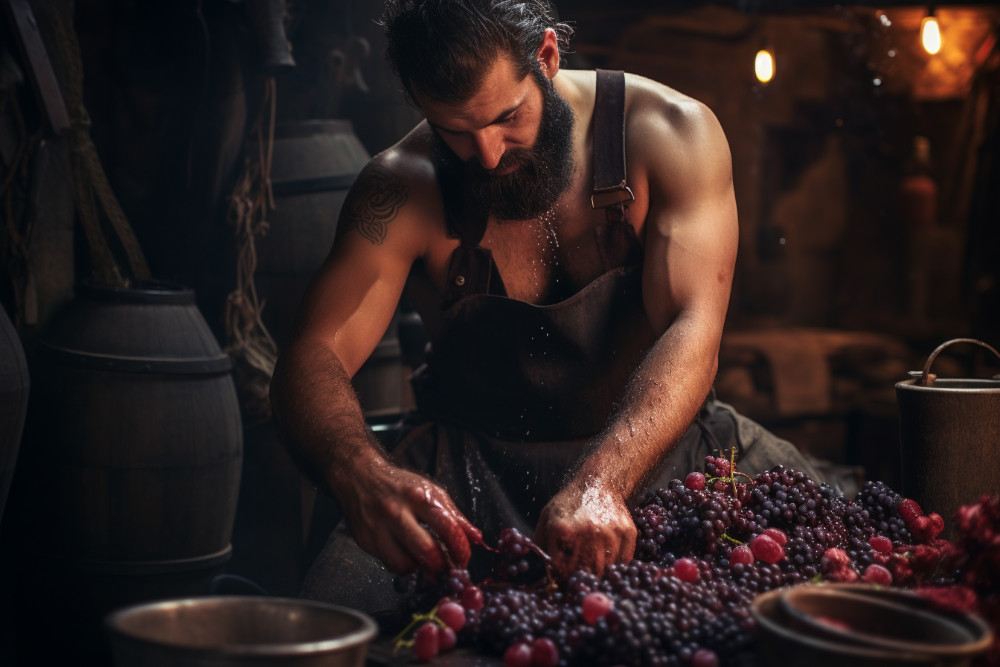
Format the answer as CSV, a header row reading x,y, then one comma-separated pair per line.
x,y
611,191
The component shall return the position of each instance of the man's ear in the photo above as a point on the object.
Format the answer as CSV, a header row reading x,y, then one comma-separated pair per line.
x,y
548,53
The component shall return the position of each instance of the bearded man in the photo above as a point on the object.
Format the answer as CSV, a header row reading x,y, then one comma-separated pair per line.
x,y
568,238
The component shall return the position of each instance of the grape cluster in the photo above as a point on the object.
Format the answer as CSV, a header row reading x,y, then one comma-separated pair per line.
x,y
706,546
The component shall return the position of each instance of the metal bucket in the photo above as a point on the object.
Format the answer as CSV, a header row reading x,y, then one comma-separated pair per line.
x,y
950,437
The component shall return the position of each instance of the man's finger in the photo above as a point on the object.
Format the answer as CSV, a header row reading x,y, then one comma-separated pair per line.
x,y
424,544
389,550
452,528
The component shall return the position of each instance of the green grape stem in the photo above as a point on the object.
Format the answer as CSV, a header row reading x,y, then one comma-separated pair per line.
x,y
400,641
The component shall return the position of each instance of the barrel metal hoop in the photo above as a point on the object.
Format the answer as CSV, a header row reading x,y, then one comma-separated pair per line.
x,y
148,567
146,292
154,366
309,185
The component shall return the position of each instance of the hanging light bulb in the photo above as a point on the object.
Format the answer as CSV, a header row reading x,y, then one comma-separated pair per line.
x,y
763,65
930,32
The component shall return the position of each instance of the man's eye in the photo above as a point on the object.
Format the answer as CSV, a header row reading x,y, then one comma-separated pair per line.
x,y
508,120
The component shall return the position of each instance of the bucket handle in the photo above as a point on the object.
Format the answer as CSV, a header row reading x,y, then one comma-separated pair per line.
x,y
926,378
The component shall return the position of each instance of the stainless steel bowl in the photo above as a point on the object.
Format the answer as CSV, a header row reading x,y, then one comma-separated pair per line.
x,y
817,625
892,620
779,643
239,630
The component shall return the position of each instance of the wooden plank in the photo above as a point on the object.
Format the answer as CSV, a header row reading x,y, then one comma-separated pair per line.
x,y
42,76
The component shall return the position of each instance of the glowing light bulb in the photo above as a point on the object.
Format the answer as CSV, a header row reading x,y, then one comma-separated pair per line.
x,y
763,65
930,34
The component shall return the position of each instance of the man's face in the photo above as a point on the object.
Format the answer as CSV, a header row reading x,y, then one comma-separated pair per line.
x,y
508,150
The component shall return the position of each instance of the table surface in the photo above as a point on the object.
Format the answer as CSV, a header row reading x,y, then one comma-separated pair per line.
x,y
380,654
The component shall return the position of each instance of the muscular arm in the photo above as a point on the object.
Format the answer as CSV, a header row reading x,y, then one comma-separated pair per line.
x,y
396,515
691,237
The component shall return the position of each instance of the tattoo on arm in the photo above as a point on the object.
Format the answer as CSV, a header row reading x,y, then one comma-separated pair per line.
x,y
373,203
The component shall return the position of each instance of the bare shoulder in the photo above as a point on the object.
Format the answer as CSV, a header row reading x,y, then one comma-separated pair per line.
x,y
394,199
675,143
662,119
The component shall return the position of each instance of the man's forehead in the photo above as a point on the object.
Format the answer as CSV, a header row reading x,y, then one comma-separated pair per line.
x,y
502,88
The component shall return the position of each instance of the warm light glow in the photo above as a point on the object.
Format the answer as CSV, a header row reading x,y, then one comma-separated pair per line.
x,y
930,34
763,65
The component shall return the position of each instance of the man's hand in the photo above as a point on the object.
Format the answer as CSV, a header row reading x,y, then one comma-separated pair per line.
x,y
409,522
588,526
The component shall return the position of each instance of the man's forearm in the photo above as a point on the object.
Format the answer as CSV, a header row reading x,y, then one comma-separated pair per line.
x,y
315,404
660,401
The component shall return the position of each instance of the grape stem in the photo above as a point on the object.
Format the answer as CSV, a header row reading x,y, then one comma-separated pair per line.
x,y
399,641
733,472
732,539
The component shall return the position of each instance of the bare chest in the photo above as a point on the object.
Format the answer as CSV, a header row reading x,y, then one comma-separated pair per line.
x,y
547,259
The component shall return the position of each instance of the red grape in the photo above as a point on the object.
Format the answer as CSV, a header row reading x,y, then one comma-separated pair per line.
x,y
472,597
695,481
704,657
766,549
741,555
594,606
777,535
453,615
446,639
880,543
517,655
425,641
877,574
686,569
544,653
909,510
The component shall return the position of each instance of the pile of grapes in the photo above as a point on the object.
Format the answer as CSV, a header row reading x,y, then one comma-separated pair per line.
x,y
707,545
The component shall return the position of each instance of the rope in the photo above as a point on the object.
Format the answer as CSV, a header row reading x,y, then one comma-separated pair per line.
x,y
251,346
92,191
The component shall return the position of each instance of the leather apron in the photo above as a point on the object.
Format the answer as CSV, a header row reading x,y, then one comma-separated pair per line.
x,y
512,392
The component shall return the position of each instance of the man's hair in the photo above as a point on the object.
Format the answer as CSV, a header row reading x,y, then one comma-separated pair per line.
x,y
444,48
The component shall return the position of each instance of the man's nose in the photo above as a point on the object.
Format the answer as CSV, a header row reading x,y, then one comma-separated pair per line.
x,y
490,147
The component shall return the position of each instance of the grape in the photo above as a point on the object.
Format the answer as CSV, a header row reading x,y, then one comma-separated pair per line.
x,y
880,543
695,481
453,615
686,569
705,658
777,535
518,655
594,606
472,597
909,510
425,641
446,639
741,555
544,653
766,549
877,574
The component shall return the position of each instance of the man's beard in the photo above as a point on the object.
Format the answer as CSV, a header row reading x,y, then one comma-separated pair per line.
x,y
543,172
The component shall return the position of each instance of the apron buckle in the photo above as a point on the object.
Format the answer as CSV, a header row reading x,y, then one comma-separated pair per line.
x,y
605,197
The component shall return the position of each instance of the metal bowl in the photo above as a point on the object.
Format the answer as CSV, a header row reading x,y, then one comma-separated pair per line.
x,y
231,631
780,643
882,618
824,640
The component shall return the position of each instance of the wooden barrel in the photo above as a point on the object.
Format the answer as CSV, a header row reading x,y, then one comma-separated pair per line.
x,y
132,455
314,164
14,385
